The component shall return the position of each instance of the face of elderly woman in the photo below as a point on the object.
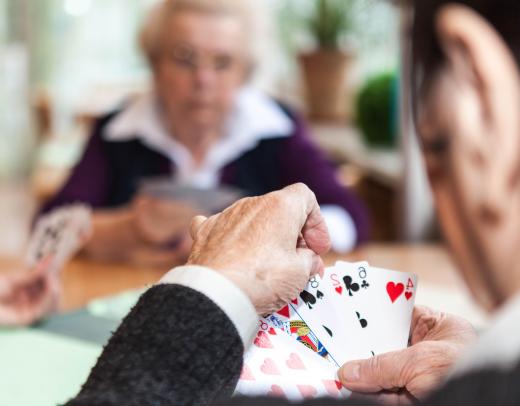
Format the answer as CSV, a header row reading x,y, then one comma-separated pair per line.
x,y
200,69
469,123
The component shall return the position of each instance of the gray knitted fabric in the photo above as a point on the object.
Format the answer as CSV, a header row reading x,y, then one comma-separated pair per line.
x,y
176,347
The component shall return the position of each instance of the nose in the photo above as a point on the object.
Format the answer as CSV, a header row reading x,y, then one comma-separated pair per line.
x,y
204,76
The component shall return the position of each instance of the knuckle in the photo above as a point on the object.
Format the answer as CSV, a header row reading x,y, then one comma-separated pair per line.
x,y
431,357
300,187
303,191
248,203
374,368
278,201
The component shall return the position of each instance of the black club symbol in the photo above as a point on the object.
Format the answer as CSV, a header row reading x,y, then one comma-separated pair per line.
x,y
365,284
351,287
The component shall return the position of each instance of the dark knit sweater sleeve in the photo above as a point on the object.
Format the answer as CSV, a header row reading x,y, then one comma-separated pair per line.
x,y
176,347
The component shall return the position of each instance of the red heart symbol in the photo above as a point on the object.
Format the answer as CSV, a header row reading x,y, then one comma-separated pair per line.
x,y
271,331
276,391
262,340
394,290
295,362
408,295
284,311
339,289
246,374
295,301
307,391
269,367
332,387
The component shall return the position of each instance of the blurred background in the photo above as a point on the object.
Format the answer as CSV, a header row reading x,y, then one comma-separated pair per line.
x,y
64,63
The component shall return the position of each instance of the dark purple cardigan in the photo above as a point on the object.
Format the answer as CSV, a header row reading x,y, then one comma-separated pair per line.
x,y
109,172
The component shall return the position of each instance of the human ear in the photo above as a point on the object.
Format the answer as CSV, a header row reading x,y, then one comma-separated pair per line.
x,y
486,84
477,100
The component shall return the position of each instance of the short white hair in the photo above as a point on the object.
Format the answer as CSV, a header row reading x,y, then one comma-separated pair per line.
x,y
248,12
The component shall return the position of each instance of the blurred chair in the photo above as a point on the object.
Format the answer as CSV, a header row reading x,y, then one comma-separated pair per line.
x,y
42,111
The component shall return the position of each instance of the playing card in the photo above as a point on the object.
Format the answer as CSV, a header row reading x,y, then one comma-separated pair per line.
x,y
296,328
58,236
382,301
354,311
209,200
276,365
332,324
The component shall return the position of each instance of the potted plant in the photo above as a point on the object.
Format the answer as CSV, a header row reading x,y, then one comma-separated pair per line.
x,y
325,68
377,110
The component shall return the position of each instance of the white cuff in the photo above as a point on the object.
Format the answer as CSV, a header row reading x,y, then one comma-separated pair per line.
x,y
341,227
229,297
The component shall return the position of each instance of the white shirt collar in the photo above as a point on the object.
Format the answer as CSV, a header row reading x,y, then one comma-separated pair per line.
x,y
499,346
255,117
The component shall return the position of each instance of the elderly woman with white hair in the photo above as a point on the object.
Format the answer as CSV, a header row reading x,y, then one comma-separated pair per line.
x,y
204,127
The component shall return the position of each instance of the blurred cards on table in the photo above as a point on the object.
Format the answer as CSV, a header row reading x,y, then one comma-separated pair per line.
x,y
58,236
208,200
355,311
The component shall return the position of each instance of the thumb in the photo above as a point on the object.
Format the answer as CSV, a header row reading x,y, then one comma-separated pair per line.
x,y
311,261
382,372
195,225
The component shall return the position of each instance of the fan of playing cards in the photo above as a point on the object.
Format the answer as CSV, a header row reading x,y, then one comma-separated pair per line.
x,y
58,236
354,311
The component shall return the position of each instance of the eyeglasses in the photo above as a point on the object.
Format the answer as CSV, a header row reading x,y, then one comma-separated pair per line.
x,y
188,58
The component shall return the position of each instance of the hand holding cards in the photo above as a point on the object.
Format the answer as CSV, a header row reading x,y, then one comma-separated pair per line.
x,y
58,236
354,311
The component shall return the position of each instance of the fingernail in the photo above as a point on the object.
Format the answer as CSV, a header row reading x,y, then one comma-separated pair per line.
x,y
350,372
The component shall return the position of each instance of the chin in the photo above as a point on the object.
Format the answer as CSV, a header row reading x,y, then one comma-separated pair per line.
x,y
205,120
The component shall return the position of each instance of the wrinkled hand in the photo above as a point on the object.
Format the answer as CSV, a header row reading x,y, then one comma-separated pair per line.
x,y
26,297
160,221
269,246
402,377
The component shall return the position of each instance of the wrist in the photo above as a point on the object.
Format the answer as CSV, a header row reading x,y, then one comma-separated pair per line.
x,y
113,234
258,292
240,278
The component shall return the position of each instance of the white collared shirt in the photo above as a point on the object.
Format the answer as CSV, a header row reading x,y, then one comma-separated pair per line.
x,y
254,118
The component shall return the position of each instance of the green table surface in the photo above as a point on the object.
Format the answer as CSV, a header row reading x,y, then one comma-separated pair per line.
x,y
46,364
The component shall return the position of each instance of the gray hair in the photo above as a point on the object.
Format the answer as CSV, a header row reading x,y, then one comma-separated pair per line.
x,y
246,11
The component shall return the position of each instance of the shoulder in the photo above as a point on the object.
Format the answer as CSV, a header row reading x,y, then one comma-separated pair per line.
x,y
101,135
126,154
99,127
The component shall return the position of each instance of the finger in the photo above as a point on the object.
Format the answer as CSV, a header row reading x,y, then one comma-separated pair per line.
x,y
318,266
43,265
195,225
312,263
6,285
53,297
312,224
22,279
26,311
141,201
382,372
423,320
